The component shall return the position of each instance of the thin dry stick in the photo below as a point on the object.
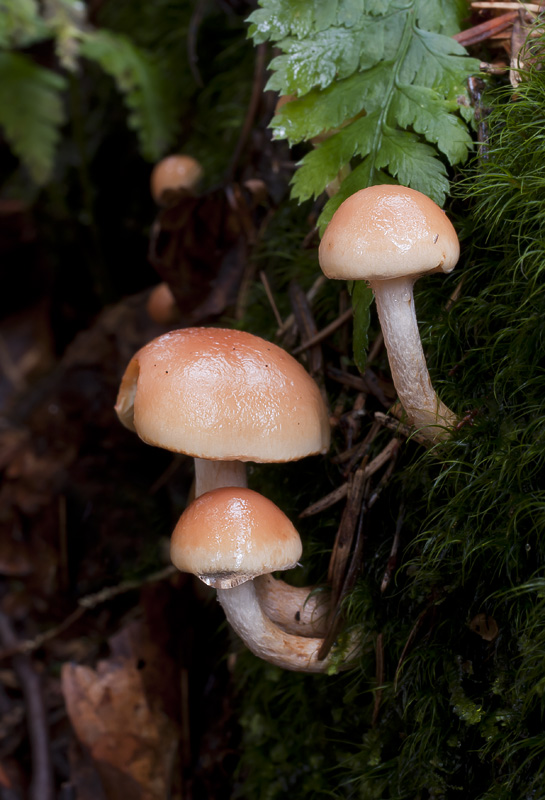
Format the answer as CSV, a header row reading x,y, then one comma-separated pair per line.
x,y
522,6
41,784
306,326
325,332
86,603
355,563
257,92
311,294
335,620
485,29
341,491
380,679
270,298
376,347
392,559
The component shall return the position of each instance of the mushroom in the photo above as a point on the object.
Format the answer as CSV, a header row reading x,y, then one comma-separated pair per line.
x,y
224,397
228,537
161,305
389,236
301,610
172,175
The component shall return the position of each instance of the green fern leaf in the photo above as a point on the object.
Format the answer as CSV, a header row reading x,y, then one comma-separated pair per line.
x,y
31,112
385,82
391,90
145,89
20,23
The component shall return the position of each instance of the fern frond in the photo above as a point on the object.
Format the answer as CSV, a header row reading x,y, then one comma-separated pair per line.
x,y
31,112
144,87
383,77
20,23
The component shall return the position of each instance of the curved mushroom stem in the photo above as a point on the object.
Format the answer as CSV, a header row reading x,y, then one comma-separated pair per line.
x,y
266,640
395,306
297,610
217,474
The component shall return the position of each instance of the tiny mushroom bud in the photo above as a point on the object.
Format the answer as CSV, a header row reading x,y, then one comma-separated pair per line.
x,y
161,305
228,537
172,175
389,236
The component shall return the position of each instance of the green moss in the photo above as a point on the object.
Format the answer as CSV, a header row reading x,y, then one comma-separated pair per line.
x,y
460,716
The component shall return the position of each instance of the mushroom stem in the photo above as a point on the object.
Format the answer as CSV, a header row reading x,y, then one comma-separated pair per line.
x,y
395,306
217,474
267,641
297,610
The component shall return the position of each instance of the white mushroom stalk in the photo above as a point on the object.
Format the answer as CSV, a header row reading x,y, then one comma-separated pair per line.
x,y
389,236
396,312
227,397
228,537
217,474
300,610
266,640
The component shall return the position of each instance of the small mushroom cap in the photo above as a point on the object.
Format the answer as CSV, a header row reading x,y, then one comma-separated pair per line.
x,y
223,395
231,535
387,232
161,305
173,173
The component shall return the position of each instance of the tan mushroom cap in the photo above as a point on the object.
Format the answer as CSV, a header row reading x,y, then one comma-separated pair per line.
x,y
173,173
387,232
231,535
223,395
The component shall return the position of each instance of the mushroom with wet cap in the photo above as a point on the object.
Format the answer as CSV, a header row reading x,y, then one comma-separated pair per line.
x,y
228,537
389,236
224,397
172,175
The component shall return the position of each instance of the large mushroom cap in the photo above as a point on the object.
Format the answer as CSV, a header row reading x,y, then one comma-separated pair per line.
x,y
225,395
387,232
231,535
173,173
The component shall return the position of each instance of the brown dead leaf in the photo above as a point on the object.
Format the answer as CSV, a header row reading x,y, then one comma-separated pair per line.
x,y
132,743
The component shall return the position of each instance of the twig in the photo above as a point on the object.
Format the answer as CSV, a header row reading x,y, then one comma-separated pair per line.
x,y
306,326
257,91
356,560
194,24
270,298
478,33
412,636
521,6
311,294
398,427
336,617
376,347
41,785
325,332
341,491
380,679
392,559
86,603
326,502
345,534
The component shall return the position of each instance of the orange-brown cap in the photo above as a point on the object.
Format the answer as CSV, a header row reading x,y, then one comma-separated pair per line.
x,y
223,395
231,535
387,232
161,305
172,174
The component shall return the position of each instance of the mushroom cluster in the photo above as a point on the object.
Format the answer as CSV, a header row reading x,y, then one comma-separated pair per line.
x,y
389,236
227,397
